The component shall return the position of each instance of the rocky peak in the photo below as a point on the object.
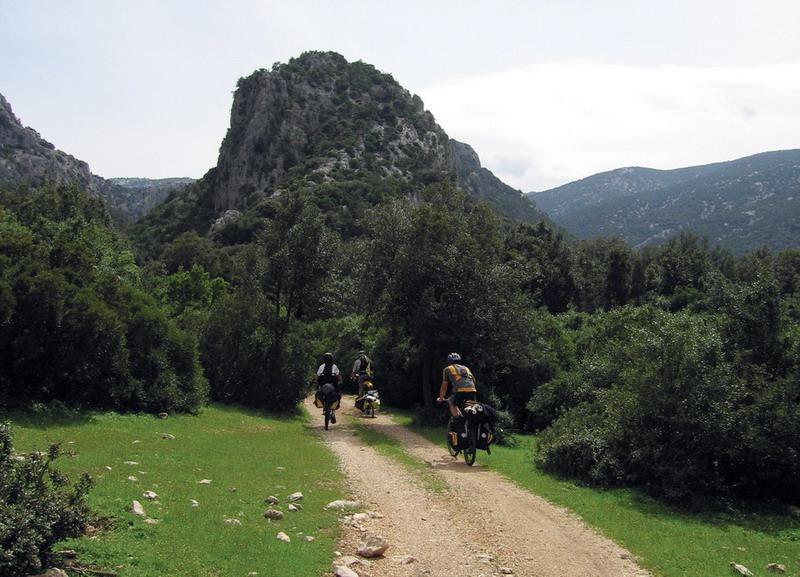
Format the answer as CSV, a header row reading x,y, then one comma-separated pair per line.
x,y
318,117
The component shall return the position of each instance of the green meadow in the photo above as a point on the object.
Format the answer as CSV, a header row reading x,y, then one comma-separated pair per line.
x,y
245,454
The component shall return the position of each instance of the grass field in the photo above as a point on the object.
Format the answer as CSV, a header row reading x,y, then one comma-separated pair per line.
x,y
670,543
246,455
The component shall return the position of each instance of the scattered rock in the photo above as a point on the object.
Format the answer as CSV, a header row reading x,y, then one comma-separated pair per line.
x,y
136,442
163,415
361,517
741,570
346,560
777,567
281,468
131,463
341,505
273,514
293,507
54,572
406,559
67,553
152,521
150,495
308,538
375,515
343,571
137,509
231,521
232,489
485,558
283,537
204,482
505,570
195,504
295,497
272,500
132,478
167,436
109,468
373,546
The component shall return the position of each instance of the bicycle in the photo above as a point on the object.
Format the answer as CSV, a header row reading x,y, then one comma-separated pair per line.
x,y
469,432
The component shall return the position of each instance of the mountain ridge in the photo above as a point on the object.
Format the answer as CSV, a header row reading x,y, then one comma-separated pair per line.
x,y
741,204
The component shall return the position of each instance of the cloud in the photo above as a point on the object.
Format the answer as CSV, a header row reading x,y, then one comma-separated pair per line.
x,y
547,124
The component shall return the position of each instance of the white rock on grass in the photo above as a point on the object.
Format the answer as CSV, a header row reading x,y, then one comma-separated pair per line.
x,y
272,500
309,538
107,467
283,537
168,436
295,497
373,546
741,570
132,478
152,521
232,521
204,482
150,495
777,567
131,463
341,505
343,571
137,509
293,507
195,504
273,514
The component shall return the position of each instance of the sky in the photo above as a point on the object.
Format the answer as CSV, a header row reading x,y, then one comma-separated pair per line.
x,y
545,91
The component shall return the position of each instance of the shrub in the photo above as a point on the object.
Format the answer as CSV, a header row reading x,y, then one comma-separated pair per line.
x,y
38,507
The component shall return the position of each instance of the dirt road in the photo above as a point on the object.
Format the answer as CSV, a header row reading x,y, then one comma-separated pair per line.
x,y
480,525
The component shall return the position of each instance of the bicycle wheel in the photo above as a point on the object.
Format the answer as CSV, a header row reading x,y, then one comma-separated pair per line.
x,y
470,452
327,414
371,411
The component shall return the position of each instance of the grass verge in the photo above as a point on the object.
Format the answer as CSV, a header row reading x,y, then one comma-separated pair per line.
x,y
669,542
246,455
393,449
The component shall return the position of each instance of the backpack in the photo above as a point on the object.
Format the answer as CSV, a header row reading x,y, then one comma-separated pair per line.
x,y
327,375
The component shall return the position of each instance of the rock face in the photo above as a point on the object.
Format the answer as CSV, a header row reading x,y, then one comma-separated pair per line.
x,y
320,114
28,159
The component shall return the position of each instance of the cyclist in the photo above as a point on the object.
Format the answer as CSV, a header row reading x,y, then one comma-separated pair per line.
x,y
328,380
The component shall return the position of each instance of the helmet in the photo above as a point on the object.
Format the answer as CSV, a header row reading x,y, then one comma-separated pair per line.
x,y
362,353
327,357
453,358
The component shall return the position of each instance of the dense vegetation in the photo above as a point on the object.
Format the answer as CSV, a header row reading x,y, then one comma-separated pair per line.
x,y
75,323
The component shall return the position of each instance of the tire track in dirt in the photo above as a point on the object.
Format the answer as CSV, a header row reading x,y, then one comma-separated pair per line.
x,y
481,524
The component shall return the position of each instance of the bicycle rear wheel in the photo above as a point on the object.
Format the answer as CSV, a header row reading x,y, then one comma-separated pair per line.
x,y
327,414
470,452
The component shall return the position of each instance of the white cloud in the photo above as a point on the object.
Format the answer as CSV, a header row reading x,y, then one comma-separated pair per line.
x,y
547,124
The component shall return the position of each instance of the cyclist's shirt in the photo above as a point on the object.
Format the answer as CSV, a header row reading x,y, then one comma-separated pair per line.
x,y
327,376
460,377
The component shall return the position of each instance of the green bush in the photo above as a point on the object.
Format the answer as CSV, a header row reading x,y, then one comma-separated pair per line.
x,y
38,508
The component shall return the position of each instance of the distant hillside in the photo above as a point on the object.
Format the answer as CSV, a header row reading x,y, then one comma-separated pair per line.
x,y
344,132
28,159
741,204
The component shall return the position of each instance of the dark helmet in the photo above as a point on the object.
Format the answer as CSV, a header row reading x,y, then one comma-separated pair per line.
x,y
453,358
327,357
